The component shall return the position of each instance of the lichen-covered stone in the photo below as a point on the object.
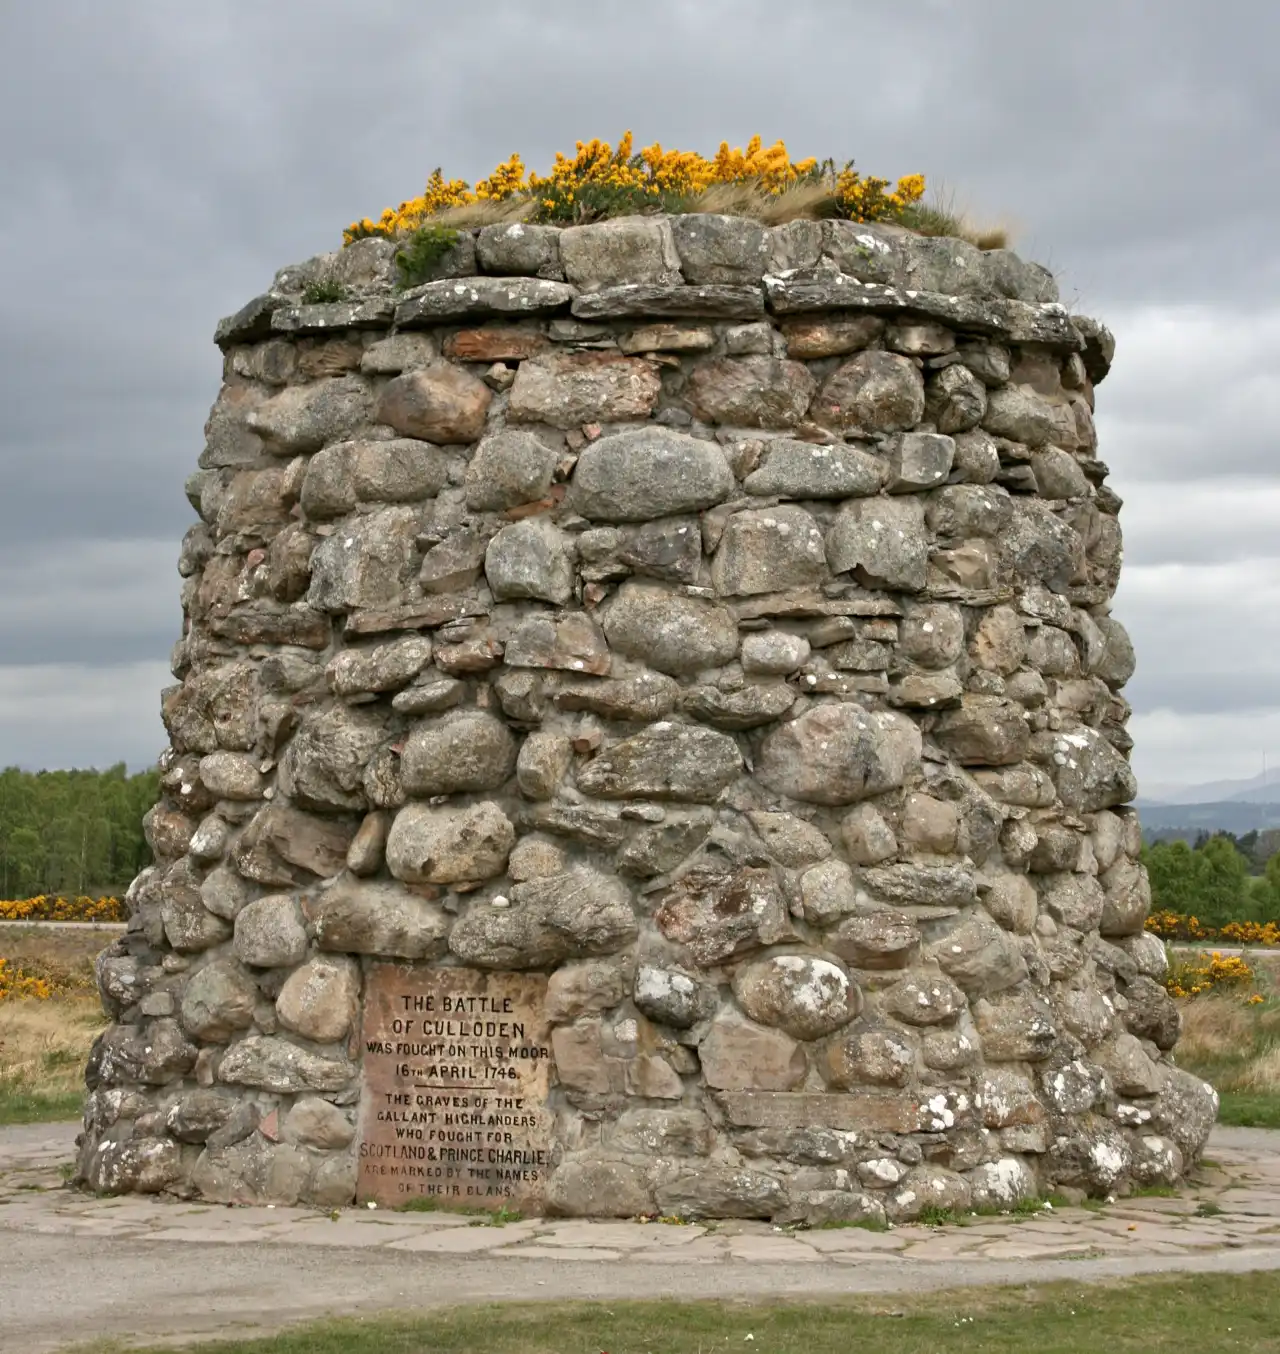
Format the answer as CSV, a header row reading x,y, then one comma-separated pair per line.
x,y
318,1000
566,389
402,470
867,1054
269,933
306,418
218,1001
794,469
365,564
718,913
664,761
379,918
448,845
874,392
272,1063
803,995
674,634
323,768
546,921
626,250
531,559
509,468
839,754
672,997
465,750
720,249
649,473
882,541
768,550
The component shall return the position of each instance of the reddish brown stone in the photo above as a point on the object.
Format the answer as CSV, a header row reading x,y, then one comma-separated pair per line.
x,y
495,345
332,357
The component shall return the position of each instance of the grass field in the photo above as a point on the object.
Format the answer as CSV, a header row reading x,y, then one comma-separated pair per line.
x,y
1188,1315
1236,1047
43,1044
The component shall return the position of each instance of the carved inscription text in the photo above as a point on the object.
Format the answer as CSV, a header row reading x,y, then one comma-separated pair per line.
x,y
456,1068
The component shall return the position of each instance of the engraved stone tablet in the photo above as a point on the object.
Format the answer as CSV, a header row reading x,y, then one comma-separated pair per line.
x,y
454,1105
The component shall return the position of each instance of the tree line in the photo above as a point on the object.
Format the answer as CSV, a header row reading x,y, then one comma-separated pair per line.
x,y
1215,880
73,832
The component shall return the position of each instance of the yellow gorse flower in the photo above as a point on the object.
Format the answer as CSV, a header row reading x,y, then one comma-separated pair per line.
x,y
1195,977
16,984
1175,926
647,177
45,908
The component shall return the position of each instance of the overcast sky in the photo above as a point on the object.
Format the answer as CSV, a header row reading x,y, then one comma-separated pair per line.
x,y
162,160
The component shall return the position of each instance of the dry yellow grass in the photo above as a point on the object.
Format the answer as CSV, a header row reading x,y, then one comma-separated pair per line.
x,y
799,202
43,1047
472,215
1261,1073
1219,1026
1236,1047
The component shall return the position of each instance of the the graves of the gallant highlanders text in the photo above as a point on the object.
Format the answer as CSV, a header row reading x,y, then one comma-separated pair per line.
x,y
456,1069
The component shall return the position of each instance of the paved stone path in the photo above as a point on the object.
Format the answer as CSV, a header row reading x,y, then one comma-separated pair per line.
x,y
72,1267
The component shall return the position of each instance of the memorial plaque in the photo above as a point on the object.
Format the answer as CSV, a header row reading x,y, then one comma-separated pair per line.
x,y
456,1068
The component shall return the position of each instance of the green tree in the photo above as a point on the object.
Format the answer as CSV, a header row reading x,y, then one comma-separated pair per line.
x,y
72,832
1209,881
1224,883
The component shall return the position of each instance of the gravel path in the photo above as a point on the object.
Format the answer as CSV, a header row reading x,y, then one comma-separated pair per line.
x,y
75,1268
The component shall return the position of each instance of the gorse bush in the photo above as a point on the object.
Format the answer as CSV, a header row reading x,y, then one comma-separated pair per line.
x,y
1207,973
16,984
602,181
1177,926
44,908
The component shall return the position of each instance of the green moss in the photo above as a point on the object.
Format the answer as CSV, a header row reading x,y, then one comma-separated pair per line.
x,y
417,257
323,291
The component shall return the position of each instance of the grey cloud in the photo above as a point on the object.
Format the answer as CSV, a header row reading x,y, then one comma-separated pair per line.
x,y
70,715
1194,393
189,153
106,602
1201,521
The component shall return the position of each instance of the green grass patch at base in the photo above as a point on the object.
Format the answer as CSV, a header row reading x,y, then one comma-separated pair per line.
x,y
1187,1315
1250,1109
19,1106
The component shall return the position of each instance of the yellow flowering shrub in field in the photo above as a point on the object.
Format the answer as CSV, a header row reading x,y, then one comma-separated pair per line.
x,y
17,984
600,180
45,908
1205,973
1251,932
1175,926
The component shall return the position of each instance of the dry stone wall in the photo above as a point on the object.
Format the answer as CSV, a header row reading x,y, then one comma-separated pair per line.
x,y
705,627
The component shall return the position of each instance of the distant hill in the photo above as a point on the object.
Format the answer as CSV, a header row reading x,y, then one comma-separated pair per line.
x,y
1260,789
1236,816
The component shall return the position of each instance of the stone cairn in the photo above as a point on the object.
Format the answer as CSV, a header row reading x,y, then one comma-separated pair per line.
x,y
713,619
